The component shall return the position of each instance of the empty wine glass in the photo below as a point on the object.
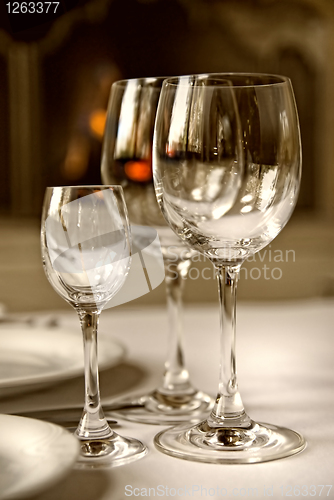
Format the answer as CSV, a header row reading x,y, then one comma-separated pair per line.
x,y
86,252
127,160
227,169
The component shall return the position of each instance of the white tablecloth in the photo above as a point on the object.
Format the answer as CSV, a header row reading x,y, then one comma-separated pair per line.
x,y
285,361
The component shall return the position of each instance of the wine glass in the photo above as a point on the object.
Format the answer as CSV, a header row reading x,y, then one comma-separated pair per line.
x,y
227,169
127,160
86,252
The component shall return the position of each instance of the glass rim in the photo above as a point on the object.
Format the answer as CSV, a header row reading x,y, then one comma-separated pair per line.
x,y
88,186
142,81
149,81
177,81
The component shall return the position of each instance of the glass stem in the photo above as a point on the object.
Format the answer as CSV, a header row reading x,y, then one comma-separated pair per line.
x,y
93,424
176,376
228,408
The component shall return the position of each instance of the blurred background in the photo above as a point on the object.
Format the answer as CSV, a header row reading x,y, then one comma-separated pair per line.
x,y
55,80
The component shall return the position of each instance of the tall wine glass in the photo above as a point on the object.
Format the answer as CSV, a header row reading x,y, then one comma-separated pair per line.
x,y
227,169
86,249
127,160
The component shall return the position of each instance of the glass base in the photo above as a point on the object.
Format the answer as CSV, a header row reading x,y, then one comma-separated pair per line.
x,y
227,445
110,452
161,409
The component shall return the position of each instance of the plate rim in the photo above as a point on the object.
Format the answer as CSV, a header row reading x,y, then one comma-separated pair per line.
x,y
50,477
67,373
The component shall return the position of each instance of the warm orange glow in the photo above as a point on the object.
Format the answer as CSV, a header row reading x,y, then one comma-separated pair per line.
x,y
139,171
97,121
99,194
170,151
77,157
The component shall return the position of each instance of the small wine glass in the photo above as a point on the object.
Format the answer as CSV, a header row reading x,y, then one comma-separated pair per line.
x,y
227,170
86,252
127,160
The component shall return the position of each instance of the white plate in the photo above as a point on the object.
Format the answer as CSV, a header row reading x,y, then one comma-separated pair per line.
x,y
31,357
34,455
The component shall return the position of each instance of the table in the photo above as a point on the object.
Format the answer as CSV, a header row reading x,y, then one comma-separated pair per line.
x,y
285,361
